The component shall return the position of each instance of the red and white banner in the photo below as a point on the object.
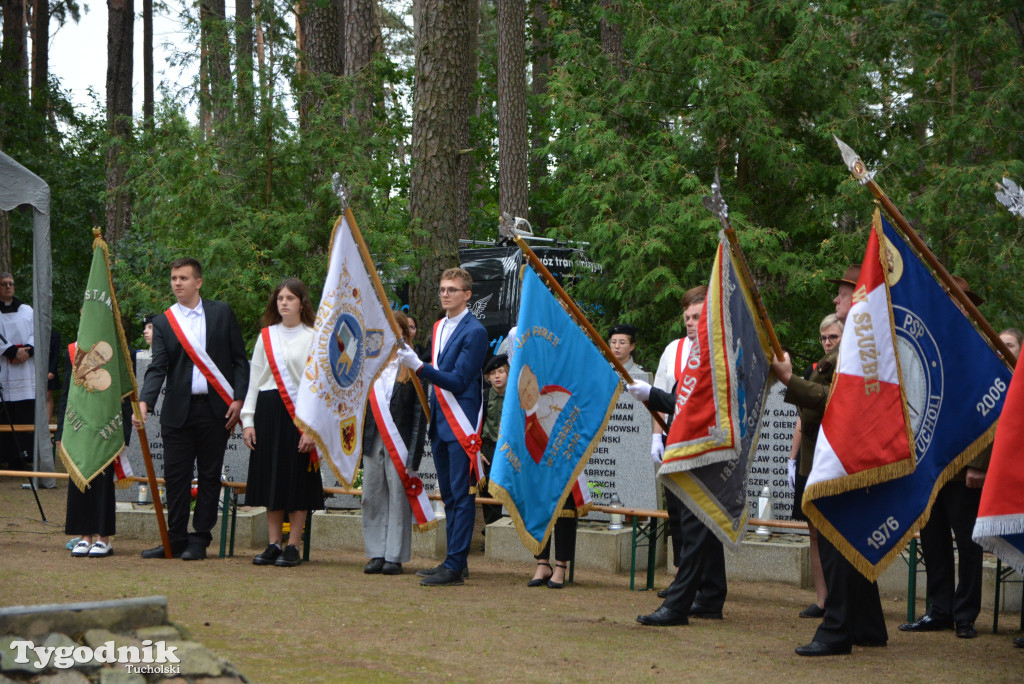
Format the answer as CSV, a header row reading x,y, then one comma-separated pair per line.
x,y
286,387
399,453
865,436
467,433
200,358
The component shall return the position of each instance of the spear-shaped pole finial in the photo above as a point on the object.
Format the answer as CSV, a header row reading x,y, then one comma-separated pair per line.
x,y
716,204
340,191
1011,196
854,163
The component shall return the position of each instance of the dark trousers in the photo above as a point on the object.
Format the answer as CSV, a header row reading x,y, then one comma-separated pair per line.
x,y
492,512
674,507
198,444
565,536
956,509
853,610
701,576
15,445
452,464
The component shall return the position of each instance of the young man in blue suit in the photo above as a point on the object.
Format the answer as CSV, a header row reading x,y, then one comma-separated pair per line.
x,y
459,350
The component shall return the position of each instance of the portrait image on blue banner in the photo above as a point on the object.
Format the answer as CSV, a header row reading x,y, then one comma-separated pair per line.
x,y
561,391
948,370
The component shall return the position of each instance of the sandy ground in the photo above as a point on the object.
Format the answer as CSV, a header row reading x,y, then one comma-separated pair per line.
x,y
326,621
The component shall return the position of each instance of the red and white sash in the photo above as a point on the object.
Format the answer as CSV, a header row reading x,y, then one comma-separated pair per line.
x,y
465,432
122,468
398,450
682,354
200,357
274,349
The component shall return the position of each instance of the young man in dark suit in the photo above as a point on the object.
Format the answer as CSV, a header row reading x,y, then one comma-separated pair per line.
x,y
459,350
199,353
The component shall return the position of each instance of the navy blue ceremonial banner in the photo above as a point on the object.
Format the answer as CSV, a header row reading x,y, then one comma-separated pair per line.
x,y
560,393
952,380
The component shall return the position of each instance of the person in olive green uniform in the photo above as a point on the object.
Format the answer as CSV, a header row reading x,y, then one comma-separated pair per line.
x,y
853,609
496,375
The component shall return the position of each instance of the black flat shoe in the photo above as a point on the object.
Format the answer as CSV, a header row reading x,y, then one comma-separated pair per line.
x,y
705,613
443,578
374,567
268,556
964,630
819,648
193,553
663,593
540,582
927,624
663,617
391,568
158,552
289,558
813,611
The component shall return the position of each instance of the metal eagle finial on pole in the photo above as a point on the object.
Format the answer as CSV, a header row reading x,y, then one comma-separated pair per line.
x,y
1011,196
859,171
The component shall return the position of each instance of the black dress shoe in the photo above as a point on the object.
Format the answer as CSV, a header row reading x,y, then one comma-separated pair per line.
x,y
193,553
433,571
705,613
927,624
445,577
391,568
374,567
663,593
289,558
663,617
158,552
813,611
965,630
1018,641
820,648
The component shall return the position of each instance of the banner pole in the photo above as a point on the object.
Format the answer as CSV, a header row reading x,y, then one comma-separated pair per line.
x,y
859,171
580,318
717,206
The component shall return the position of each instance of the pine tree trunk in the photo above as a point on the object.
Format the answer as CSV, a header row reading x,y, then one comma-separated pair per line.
x,y
120,33
218,60
513,144
322,51
611,36
471,104
13,67
541,68
243,59
441,33
148,97
40,54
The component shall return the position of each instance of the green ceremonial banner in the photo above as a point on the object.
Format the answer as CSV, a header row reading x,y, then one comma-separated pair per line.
x,y
101,377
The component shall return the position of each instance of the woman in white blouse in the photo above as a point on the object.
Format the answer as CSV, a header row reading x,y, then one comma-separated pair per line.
x,y
282,475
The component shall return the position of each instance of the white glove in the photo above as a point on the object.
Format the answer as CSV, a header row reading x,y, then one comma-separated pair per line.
x,y
792,474
640,390
657,449
407,357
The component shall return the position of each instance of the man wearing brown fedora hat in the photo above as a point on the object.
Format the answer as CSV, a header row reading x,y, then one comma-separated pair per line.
x,y
853,609
953,513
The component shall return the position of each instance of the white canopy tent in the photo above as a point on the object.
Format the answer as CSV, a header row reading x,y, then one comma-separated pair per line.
x,y
19,187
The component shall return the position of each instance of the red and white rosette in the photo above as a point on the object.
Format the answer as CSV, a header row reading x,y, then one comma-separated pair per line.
x,y
272,345
200,357
398,451
465,432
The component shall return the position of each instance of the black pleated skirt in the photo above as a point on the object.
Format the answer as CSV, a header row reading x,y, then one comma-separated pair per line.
x,y
92,511
279,476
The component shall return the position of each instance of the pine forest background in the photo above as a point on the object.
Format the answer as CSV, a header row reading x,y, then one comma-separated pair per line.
x,y
602,121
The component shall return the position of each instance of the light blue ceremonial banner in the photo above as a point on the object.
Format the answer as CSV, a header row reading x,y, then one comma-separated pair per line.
x,y
952,380
561,391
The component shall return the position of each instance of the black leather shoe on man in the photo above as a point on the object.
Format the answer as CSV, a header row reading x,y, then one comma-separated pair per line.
x,y
158,552
1018,641
445,577
705,613
927,624
433,571
663,617
374,567
820,648
391,568
663,593
965,630
194,552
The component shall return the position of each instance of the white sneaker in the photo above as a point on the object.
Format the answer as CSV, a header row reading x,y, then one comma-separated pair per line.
x,y
100,550
81,549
